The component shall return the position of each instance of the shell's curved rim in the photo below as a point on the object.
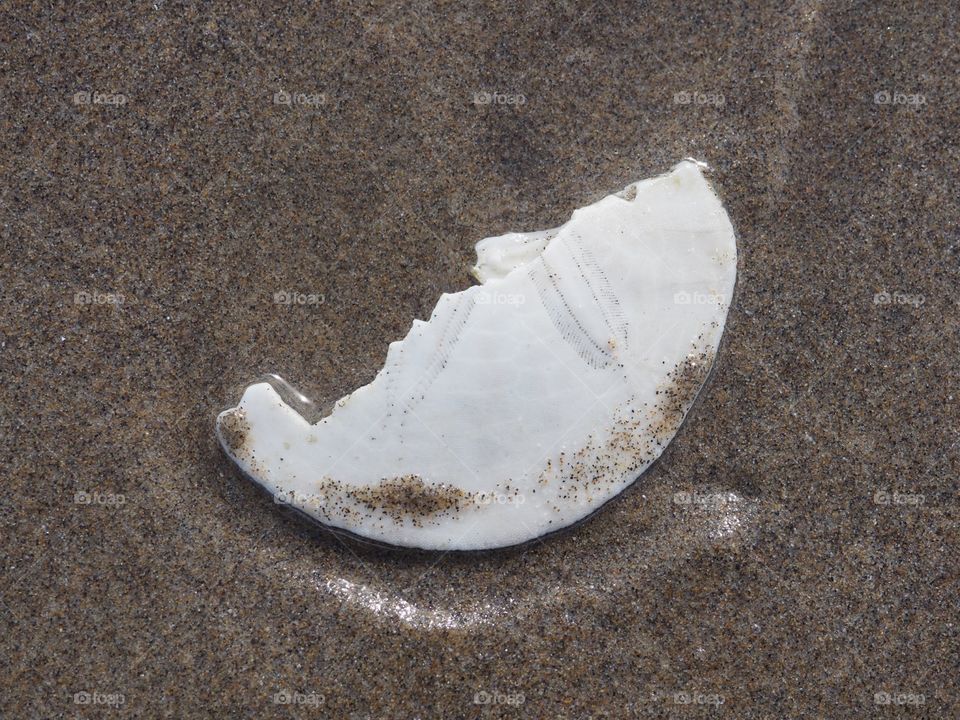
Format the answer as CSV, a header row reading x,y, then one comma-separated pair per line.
x,y
368,544
312,413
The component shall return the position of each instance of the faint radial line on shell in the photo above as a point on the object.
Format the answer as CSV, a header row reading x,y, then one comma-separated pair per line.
x,y
362,435
611,412
597,399
374,424
554,353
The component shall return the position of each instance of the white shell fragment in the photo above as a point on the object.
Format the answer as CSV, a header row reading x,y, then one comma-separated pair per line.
x,y
528,401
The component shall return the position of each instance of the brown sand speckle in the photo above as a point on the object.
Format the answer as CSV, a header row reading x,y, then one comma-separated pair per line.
x,y
235,430
834,397
401,499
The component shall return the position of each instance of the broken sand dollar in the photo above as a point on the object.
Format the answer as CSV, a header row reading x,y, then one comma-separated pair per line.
x,y
526,402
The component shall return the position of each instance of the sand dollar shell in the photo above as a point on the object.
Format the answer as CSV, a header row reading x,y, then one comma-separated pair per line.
x,y
525,402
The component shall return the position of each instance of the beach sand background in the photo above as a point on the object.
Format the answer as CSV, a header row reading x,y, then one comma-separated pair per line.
x,y
793,554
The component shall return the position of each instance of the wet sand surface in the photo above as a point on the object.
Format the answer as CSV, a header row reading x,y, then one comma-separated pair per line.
x,y
793,554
